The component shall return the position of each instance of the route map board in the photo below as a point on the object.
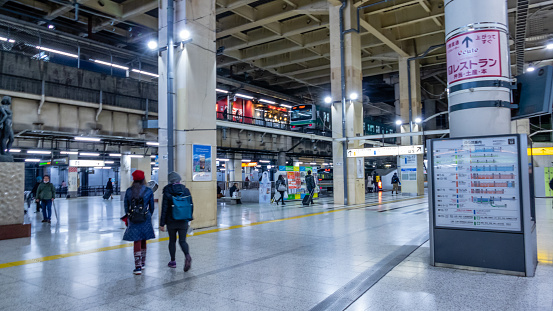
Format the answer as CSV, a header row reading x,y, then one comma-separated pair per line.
x,y
476,183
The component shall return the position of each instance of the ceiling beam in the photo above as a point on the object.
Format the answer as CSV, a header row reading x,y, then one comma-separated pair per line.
x,y
387,38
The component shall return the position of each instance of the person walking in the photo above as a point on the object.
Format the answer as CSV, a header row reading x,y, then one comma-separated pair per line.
x,y
33,193
175,226
310,183
45,194
281,188
139,207
109,188
375,183
395,183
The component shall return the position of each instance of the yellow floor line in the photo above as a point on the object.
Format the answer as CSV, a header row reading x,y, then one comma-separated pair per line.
x,y
196,233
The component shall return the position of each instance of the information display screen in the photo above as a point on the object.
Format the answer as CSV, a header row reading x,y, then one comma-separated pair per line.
x,y
476,183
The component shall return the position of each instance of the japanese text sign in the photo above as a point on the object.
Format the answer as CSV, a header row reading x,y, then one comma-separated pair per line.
x,y
472,55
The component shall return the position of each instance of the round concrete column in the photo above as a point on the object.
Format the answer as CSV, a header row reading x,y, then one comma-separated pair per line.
x,y
478,64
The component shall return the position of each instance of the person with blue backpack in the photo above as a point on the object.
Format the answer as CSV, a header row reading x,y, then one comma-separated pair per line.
x,y
139,207
176,211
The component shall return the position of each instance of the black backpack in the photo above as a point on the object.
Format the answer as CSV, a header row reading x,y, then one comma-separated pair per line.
x,y
137,212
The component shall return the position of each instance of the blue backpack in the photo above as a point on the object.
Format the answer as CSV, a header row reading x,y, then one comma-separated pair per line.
x,y
182,207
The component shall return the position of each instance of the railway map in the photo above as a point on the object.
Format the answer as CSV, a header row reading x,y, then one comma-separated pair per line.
x,y
476,183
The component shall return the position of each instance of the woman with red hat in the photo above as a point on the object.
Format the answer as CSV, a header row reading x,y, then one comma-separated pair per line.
x,y
139,207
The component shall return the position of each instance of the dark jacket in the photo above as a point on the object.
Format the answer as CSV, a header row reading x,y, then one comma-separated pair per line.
x,y
167,204
310,182
109,185
395,179
46,191
231,190
35,188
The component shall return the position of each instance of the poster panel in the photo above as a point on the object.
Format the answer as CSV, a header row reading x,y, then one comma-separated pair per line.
x,y
476,183
201,163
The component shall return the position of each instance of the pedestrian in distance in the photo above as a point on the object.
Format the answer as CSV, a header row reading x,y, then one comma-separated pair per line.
x,y
176,212
233,189
109,189
139,207
281,188
375,183
395,183
45,194
33,193
310,183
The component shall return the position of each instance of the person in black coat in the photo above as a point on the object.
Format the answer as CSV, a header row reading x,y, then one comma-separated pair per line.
x,y
33,192
175,188
109,188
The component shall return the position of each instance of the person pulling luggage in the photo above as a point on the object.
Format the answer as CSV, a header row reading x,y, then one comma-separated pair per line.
x,y
310,183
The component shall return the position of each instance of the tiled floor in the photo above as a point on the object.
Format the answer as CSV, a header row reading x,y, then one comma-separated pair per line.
x,y
298,263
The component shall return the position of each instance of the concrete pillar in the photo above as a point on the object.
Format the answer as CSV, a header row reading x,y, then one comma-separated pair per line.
x,y
73,177
194,103
477,43
281,158
521,126
429,110
354,108
416,107
125,178
143,164
235,168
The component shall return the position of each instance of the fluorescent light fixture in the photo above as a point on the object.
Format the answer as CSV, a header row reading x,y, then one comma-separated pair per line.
x,y
156,168
153,163
286,106
418,120
153,156
39,152
313,163
109,162
106,167
114,154
51,26
184,34
399,122
328,100
110,64
83,138
264,161
267,101
549,46
269,167
530,69
325,164
57,52
6,39
69,152
152,44
223,160
146,73
223,169
152,143
15,150
244,96
89,154
98,167
353,96
32,160
221,91
136,156
246,161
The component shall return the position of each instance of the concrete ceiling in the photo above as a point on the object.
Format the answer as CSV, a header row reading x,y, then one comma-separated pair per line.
x,y
284,44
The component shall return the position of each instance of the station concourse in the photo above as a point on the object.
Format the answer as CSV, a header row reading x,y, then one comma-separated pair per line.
x,y
290,122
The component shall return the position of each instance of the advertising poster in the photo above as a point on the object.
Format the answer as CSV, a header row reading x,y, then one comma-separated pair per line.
x,y
201,163
295,180
477,184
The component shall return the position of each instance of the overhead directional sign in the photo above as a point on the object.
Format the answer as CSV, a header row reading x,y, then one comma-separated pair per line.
x,y
385,151
86,163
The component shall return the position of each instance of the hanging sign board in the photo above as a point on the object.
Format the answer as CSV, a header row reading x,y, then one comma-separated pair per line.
x,y
86,163
474,54
385,151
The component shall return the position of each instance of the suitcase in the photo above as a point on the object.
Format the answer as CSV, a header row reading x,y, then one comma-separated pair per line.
x,y
307,198
107,195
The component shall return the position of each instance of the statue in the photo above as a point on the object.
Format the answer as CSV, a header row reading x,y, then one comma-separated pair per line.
x,y
6,120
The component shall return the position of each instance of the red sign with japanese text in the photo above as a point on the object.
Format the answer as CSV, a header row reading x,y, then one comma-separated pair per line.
x,y
472,55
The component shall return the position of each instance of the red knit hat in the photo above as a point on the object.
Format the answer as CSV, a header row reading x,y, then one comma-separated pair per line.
x,y
138,175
